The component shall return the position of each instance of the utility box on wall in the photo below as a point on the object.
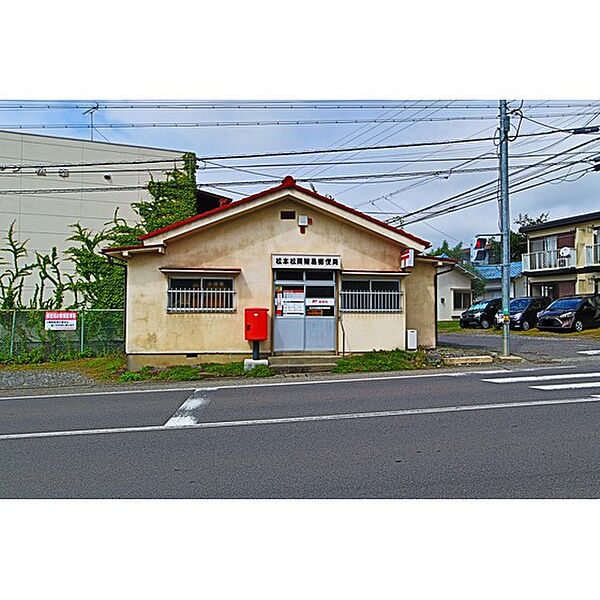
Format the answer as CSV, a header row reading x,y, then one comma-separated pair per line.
x,y
411,339
256,324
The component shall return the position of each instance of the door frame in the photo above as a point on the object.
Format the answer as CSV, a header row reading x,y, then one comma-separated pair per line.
x,y
334,283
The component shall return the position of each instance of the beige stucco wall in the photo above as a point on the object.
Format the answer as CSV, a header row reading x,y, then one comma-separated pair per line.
x,y
366,332
419,300
247,242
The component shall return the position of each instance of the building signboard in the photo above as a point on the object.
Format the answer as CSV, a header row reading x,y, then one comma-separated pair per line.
x,y
308,261
407,258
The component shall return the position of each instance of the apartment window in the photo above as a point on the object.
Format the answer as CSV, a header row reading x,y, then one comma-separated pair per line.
x,y
370,295
200,294
461,299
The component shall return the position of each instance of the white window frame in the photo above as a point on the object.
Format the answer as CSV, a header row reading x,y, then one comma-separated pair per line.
x,y
461,291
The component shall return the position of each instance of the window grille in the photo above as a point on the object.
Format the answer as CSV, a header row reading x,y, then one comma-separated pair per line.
x,y
200,295
370,296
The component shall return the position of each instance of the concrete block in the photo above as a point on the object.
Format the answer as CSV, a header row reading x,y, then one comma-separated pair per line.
x,y
467,360
249,363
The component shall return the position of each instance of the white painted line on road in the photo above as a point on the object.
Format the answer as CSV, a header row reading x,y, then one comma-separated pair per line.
x,y
567,386
187,413
109,393
305,419
542,377
588,352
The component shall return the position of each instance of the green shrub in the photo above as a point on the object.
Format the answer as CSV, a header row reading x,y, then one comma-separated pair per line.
x,y
382,360
260,371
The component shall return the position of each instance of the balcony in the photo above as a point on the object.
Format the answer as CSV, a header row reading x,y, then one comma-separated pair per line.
x,y
592,255
547,260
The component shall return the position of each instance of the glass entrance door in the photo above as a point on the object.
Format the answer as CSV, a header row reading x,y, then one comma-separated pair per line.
x,y
305,310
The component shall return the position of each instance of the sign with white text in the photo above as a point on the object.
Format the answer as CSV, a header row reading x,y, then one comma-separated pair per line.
x,y
60,320
306,261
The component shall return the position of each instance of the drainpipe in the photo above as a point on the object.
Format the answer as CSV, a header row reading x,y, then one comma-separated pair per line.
x,y
435,292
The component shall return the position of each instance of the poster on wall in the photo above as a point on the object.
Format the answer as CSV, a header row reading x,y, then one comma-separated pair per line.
x,y
292,302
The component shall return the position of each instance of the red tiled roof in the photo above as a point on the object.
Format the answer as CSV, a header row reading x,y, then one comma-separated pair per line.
x,y
287,183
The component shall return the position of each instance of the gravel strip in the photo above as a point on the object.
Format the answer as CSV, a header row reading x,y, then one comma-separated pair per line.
x,y
41,378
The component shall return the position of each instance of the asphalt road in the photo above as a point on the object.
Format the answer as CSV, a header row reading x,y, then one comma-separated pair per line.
x,y
540,349
484,433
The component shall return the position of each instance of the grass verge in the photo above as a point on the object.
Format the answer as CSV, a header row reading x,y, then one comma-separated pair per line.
x,y
445,326
383,360
112,368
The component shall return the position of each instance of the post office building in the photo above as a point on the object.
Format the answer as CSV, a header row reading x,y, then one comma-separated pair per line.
x,y
328,278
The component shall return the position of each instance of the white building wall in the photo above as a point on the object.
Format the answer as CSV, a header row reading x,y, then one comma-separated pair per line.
x,y
44,219
447,283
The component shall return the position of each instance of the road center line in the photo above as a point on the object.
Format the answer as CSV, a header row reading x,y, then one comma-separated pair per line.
x,y
542,377
304,419
567,386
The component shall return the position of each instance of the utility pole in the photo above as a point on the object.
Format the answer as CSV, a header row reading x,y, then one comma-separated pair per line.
x,y
505,220
91,112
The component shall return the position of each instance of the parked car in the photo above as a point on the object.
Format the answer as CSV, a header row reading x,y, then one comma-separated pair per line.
x,y
481,314
523,312
571,313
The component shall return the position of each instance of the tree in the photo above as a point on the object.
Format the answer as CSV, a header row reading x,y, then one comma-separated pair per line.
x,y
100,280
452,252
13,276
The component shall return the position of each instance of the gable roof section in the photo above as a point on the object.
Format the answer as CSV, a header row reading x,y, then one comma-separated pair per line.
x,y
495,271
288,183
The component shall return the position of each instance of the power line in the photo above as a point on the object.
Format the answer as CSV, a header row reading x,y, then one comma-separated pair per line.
x,y
92,164
385,147
284,123
367,176
493,182
260,105
484,200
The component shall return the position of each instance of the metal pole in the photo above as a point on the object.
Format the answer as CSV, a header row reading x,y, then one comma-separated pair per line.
x,y
82,338
505,219
11,349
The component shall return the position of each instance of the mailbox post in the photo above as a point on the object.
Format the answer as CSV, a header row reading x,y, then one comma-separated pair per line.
x,y
256,328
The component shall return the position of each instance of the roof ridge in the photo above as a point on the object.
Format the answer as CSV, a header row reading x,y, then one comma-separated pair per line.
x,y
288,182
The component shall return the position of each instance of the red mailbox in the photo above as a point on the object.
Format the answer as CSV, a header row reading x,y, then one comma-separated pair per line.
x,y
255,323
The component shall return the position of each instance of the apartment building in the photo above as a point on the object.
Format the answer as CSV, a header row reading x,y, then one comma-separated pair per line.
x,y
563,256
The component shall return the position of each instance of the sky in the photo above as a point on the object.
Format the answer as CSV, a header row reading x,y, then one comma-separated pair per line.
x,y
420,121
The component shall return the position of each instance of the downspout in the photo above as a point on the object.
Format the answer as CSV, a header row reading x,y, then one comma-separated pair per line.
x,y
435,293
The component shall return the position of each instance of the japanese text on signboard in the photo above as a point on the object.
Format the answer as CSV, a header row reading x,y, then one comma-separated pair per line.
x,y
312,261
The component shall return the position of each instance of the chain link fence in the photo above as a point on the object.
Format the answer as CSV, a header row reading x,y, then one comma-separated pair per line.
x,y
24,334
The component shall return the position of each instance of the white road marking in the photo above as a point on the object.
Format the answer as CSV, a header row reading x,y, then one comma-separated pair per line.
x,y
589,352
187,413
567,386
304,419
541,378
107,393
